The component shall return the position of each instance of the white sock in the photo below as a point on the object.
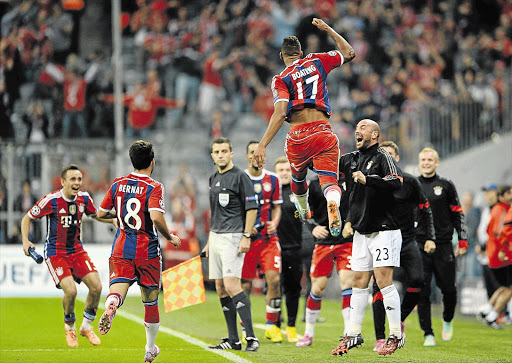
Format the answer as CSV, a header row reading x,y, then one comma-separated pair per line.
x,y
86,324
311,317
346,319
151,331
486,309
70,327
302,200
358,304
391,301
334,195
493,315
111,298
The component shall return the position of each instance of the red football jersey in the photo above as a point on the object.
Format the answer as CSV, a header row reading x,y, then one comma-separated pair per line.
x,y
133,196
303,83
267,188
64,221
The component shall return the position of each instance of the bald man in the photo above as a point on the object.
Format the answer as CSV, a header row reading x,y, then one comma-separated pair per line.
x,y
371,176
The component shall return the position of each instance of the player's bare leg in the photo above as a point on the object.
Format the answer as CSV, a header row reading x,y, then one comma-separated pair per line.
x,y
68,303
332,193
92,280
273,306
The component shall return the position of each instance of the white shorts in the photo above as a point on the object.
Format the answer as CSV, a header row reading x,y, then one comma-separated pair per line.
x,y
223,257
379,249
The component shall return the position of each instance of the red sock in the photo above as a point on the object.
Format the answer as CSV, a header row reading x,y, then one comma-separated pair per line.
x,y
151,315
314,302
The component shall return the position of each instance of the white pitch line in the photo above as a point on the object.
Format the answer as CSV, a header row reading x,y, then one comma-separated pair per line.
x,y
230,356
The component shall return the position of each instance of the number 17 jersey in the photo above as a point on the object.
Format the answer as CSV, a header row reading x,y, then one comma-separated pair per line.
x,y
133,197
303,83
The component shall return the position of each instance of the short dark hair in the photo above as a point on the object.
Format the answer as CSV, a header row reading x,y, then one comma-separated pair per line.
x,y
66,168
392,145
221,140
291,46
141,154
249,144
502,189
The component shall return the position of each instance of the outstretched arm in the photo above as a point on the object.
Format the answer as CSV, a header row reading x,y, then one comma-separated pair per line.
x,y
344,47
276,121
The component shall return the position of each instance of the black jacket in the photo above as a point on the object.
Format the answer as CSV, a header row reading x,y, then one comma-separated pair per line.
x,y
372,206
446,210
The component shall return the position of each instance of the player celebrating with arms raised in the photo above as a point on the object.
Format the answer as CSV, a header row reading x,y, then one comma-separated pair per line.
x,y
301,98
139,203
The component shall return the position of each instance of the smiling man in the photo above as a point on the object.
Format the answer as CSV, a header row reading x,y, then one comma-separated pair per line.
x,y
65,257
371,177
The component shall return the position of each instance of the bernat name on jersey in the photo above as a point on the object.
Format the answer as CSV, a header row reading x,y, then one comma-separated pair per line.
x,y
130,189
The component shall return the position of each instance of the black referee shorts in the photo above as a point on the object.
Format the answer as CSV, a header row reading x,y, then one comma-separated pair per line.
x,y
503,275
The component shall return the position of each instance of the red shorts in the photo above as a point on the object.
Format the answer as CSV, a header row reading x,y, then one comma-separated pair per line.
x,y
314,145
147,273
77,265
325,255
265,252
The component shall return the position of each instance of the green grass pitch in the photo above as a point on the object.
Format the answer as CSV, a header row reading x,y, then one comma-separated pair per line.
x,y
32,330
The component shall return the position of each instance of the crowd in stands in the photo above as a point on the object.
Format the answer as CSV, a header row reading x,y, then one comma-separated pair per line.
x,y
220,56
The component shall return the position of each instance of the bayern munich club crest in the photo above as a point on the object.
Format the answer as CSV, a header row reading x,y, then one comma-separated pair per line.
x,y
267,187
81,208
438,190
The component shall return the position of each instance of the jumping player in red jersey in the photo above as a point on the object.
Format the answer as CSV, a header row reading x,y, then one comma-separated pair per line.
x,y
301,98
65,257
265,249
139,203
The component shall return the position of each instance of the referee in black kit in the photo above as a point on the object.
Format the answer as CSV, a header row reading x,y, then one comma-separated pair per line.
x,y
448,216
233,213
289,232
411,204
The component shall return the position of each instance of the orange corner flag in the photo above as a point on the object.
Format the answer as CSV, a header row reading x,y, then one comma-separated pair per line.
x,y
183,285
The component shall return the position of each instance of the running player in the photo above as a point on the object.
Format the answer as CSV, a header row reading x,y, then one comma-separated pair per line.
x,y
65,257
301,98
139,203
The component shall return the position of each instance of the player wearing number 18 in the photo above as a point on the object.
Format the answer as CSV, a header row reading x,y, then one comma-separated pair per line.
x,y
139,203
64,254
301,98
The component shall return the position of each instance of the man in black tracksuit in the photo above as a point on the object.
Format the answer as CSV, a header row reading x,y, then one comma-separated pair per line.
x,y
411,203
372,176
448,216
289,232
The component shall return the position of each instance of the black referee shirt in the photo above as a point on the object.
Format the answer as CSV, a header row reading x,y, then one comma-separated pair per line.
x,y
231,195
289,229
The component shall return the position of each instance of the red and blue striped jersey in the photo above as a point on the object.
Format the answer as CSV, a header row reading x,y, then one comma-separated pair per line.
x,y
133,196
303,83
267,188
64,218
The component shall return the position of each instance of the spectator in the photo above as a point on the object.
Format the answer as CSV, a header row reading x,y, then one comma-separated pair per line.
x,y
60,25
37,123
472,216
23,203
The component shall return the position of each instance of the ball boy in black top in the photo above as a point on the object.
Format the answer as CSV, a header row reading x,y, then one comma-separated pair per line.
x,y
448,216
233,213
410,199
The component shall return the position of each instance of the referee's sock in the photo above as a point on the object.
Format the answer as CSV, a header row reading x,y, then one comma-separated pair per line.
x,y
229,310
243,307
392,304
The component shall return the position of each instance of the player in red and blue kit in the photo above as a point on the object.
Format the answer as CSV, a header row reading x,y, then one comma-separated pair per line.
x,y
139,204
265,249
64,254
301,98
